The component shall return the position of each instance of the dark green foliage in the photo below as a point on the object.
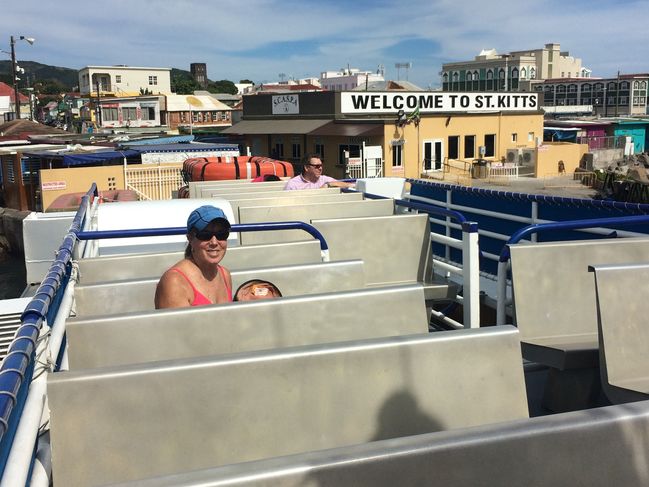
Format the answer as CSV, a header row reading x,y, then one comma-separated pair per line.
x,y
222,86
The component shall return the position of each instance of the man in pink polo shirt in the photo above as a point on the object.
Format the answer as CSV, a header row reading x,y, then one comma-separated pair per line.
x,y
312,177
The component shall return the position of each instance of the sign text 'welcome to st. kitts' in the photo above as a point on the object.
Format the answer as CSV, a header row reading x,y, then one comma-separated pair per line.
x,y
391,102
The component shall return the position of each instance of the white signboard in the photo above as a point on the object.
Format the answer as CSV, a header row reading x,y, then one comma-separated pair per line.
x,y
4,104
436,102
286,105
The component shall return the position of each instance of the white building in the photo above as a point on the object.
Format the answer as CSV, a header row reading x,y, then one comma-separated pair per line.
x,y
124,80
348,79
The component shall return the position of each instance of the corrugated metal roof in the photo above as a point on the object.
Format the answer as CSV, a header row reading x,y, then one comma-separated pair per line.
x,y
275,126
160,140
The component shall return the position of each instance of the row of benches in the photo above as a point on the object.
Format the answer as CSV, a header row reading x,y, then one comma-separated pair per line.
x,y
182,397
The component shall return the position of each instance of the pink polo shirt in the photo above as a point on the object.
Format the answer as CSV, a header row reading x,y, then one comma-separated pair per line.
x,y
298,182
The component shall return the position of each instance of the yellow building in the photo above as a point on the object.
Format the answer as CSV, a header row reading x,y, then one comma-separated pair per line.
x,y
420,134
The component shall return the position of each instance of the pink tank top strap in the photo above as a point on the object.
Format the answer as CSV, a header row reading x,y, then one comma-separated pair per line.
x,y
199,298
225,282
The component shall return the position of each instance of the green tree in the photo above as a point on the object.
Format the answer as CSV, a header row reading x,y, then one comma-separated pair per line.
x,y
222,86
183,85
246,81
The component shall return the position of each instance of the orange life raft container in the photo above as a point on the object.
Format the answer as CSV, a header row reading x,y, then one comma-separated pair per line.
x,y
234,167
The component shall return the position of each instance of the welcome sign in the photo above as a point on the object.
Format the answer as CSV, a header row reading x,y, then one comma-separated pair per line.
x,y
436,102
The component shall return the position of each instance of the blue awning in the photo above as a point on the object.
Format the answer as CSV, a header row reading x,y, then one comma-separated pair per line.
x,y
193,147
175,139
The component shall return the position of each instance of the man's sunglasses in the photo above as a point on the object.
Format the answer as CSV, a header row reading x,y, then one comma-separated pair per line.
x,y
205,236
317,166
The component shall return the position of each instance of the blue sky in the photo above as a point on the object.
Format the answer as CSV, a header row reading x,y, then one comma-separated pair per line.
x,y
259,39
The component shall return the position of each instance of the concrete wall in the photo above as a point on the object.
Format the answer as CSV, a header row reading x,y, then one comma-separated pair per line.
x,y
550,153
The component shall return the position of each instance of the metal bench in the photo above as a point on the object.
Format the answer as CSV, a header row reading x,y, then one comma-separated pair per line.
x,y
554,296
138,421
306,213
292,280
622,311
139,266
289,198
549,450
556,312
211,330
196,188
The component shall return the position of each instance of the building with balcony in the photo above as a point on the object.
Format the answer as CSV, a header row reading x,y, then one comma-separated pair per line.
x,y
514,71
124,81
624,95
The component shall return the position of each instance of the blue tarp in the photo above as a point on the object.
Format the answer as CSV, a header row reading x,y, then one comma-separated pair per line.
x,y
95,157
160,140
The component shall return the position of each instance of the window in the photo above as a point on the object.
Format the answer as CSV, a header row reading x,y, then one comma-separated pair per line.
x,y
530,136
195,117
118,78
514,138
148,113
469,146
532,73
453,146
585,87
319,148
129,113
153,80
278,151
397,155
297,150
490,145
224,116
109,114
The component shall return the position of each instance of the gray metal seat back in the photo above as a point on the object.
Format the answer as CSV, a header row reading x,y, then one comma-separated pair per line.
x,y
543,451
292,280
395,249
212,330
290,198
276,193
307,213
196,188
622,311
140,266
138,421
554,293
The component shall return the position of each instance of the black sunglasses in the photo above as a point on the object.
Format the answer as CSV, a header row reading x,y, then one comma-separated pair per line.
x,y
315,165
204,235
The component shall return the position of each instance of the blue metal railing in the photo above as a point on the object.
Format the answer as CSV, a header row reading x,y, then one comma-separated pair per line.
x,y
505,253
240,227
18,364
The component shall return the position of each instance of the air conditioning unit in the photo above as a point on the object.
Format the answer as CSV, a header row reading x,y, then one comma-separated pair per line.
x,y
514,156
528,157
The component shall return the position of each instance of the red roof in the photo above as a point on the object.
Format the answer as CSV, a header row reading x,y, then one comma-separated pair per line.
x,y
6,90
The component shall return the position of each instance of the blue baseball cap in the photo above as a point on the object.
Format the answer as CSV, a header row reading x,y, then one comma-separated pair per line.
x,y
204,215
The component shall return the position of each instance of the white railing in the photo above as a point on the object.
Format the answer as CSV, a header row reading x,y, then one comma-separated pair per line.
x,y
153,182
503,172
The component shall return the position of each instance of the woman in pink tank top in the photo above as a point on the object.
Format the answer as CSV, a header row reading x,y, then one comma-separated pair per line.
x,y
198,279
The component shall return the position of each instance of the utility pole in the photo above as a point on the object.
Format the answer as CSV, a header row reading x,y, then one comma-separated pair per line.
x,y
15,77
98,105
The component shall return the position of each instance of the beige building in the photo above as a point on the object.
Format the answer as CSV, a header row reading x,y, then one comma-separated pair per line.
x,y
124,81
490,71
419,133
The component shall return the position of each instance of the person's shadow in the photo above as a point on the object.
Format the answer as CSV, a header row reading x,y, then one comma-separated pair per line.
x,y
401,416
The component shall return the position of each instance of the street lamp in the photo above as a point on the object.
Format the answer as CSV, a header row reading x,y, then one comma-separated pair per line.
x,y
14,70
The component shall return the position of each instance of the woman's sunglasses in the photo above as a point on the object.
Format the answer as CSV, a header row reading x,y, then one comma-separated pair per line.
x,y
204,235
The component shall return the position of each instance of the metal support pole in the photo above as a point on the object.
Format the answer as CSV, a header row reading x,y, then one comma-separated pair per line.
x,y
15,77
471,274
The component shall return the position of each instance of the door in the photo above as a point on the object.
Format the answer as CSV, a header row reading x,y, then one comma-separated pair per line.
x,y
433,155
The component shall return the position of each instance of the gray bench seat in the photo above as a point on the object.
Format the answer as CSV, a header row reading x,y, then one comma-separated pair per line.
x,y
292,280
138,421
138,266
555,296
539,452
623,308
211,330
